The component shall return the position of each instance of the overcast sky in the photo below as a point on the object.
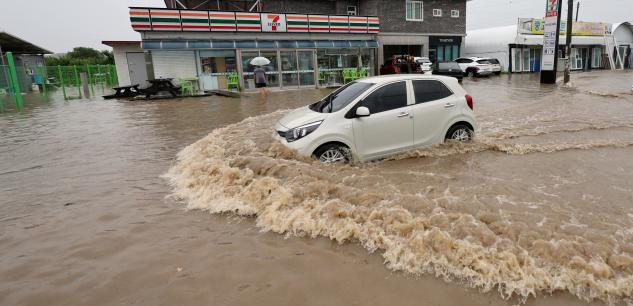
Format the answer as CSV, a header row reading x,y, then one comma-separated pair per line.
x,y
60,25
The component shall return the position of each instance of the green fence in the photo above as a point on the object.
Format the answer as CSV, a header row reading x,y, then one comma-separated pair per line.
x,y
20,79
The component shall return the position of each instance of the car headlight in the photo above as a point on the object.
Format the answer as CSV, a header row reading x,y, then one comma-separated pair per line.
x,y
302,131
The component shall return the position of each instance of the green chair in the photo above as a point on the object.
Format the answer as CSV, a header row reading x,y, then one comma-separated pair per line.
x,y
347,75
354,74
321,78
362,73
233,81
186,87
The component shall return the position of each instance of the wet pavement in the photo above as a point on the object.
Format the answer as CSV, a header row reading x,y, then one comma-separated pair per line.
x,y
542,201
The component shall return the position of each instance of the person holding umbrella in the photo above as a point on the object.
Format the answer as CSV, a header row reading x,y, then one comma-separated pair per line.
x,y
260,73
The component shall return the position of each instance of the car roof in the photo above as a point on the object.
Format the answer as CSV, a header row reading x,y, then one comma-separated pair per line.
x,y
403,77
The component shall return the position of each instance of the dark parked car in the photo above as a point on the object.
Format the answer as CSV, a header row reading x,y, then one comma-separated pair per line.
x,y
449,69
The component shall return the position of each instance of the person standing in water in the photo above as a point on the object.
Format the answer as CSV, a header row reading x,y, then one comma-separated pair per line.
x,y
260,79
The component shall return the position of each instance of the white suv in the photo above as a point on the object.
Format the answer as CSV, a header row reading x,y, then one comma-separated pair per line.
x,y
474,66
378,116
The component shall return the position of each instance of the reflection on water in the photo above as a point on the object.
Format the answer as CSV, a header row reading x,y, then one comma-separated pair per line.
x,y
540,202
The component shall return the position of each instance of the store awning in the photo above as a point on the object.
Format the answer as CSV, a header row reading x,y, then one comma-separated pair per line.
x,y
255,44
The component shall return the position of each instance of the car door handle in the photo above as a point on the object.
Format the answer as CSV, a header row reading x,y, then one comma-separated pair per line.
x,y
449,105
403,115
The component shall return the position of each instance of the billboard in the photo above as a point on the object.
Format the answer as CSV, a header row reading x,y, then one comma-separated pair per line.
x,y
578,29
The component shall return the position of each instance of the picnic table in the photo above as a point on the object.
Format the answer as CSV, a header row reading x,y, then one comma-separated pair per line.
x,y
160,85
124,92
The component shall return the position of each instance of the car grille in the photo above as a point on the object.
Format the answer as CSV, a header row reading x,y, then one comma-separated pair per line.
x,y
281,134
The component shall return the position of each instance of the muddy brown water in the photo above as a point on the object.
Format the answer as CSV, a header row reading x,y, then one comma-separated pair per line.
x,y
93,205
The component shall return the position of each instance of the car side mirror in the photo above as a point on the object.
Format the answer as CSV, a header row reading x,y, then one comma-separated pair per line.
x,y
362,111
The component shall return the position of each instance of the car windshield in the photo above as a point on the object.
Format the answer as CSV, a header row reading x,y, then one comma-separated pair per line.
x,y
340,98
484,62
493,61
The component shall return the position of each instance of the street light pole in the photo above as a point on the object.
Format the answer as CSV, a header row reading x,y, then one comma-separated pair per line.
x,y
570,21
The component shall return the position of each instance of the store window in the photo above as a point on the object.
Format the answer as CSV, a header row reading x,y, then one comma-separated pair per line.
x,y
216,67
368,58
437,12
414,10
455,13
289,73
332,62
447,53
596,58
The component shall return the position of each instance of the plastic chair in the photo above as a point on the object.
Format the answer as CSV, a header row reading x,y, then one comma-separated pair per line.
x,y
233,81
347,75
186,86
362,73
321,78
354,74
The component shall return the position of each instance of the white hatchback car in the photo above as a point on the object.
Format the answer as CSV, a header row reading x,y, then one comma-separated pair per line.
x,y
379,116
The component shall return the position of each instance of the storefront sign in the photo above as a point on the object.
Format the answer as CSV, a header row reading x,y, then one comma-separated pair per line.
x,y
445,40
273,22
550,35
579,28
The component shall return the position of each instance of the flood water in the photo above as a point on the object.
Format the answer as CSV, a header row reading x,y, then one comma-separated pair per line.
x,y
107,202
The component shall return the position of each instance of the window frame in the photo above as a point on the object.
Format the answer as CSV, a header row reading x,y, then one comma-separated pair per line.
x,y
438,11
415,100
453,15
355,10
413,4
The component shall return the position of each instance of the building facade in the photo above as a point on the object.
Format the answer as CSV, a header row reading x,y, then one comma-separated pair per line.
x,y
309,43
595,45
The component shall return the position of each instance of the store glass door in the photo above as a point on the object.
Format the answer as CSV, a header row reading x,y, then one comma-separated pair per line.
x,y
289,73
306,68
272,69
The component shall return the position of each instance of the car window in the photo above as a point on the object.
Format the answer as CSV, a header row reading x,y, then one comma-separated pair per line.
x,y
340,98
483,61
429,90
494,61
464,60
386,98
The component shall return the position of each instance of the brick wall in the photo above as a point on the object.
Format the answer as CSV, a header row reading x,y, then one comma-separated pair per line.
x,y
393,16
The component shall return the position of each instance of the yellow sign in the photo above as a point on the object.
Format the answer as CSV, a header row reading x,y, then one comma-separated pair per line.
x,y
579,28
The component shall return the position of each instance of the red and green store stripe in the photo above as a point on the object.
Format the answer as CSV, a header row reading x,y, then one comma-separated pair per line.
x,y
222,21
195,20
297,23
140,19
339,24
319,23
165,20
248,22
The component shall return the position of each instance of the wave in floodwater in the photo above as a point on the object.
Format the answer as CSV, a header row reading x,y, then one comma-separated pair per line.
x,y
433,227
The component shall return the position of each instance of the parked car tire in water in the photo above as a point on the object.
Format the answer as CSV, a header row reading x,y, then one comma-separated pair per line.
x,y
460,132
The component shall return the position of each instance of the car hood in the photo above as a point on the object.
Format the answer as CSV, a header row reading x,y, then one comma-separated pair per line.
x,y
299,117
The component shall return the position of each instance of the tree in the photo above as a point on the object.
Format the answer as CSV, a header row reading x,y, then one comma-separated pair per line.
x,y
82,56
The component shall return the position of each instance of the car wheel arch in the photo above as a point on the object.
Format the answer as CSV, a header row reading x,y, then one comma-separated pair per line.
x,y
458,122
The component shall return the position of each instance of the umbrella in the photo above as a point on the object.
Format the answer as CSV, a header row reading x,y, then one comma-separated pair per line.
x,y
260,61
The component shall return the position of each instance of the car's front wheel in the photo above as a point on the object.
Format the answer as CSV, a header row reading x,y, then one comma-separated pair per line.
x,y
332,153
460,132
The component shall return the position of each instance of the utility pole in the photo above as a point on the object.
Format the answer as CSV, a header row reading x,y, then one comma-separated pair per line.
x,y
570,21
577,10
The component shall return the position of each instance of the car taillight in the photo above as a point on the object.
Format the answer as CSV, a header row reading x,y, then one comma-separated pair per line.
x,y
469,101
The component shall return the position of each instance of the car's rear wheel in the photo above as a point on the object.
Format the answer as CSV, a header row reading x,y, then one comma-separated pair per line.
x,y
471,73
332,153
498,72
460,132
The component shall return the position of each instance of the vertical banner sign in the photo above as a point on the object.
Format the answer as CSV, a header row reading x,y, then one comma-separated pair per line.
x,y
550,31
273,22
